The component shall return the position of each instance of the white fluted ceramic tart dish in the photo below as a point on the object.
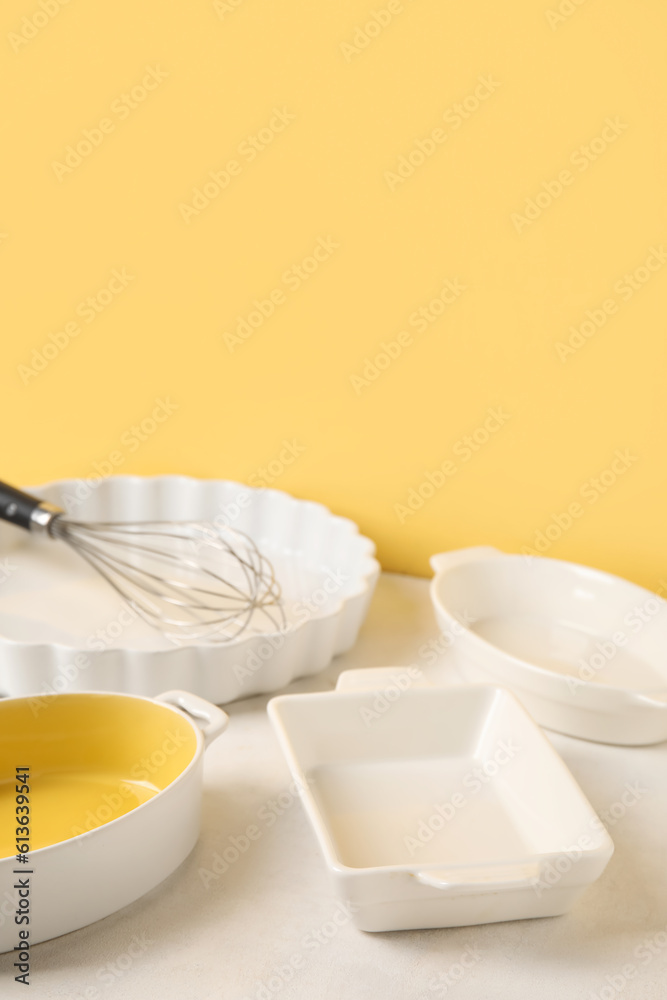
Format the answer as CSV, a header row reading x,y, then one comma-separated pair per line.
x,y
62,628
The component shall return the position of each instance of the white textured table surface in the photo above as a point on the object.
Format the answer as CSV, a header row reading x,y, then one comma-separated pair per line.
x,y
265,927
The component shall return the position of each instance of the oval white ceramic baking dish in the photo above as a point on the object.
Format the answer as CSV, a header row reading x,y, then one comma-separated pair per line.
x,y
62,628
109,791
584,650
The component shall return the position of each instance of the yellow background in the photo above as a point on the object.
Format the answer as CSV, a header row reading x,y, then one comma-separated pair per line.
x,y
356,111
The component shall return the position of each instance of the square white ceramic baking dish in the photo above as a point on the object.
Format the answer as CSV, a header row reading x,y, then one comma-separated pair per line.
x,y
446,808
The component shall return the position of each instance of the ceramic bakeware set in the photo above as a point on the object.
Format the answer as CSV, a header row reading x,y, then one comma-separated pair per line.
x,y
446,807
437,804
110,771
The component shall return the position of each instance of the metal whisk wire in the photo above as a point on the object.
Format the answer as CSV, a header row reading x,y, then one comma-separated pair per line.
x,y
199,603
188,579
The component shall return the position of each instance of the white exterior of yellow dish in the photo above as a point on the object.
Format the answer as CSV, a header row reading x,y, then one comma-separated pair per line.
x,y
89,876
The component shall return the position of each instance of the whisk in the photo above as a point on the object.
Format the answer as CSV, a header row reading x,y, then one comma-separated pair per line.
x,y
190,580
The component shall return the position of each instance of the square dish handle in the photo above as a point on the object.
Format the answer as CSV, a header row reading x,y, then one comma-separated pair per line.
x,y
209,718
466,881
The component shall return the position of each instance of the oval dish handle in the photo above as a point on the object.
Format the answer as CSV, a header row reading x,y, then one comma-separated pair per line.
x,y
211,720
447,560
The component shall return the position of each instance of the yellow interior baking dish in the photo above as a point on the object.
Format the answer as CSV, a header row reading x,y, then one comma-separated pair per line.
x,y
91,759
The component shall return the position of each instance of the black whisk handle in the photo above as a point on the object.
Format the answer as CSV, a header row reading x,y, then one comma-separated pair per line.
x,y
24,510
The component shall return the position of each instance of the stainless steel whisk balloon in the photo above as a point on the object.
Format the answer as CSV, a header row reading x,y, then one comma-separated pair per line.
x,y
190,580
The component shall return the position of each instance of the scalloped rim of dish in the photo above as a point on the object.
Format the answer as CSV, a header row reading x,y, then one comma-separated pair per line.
x,y
365,581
